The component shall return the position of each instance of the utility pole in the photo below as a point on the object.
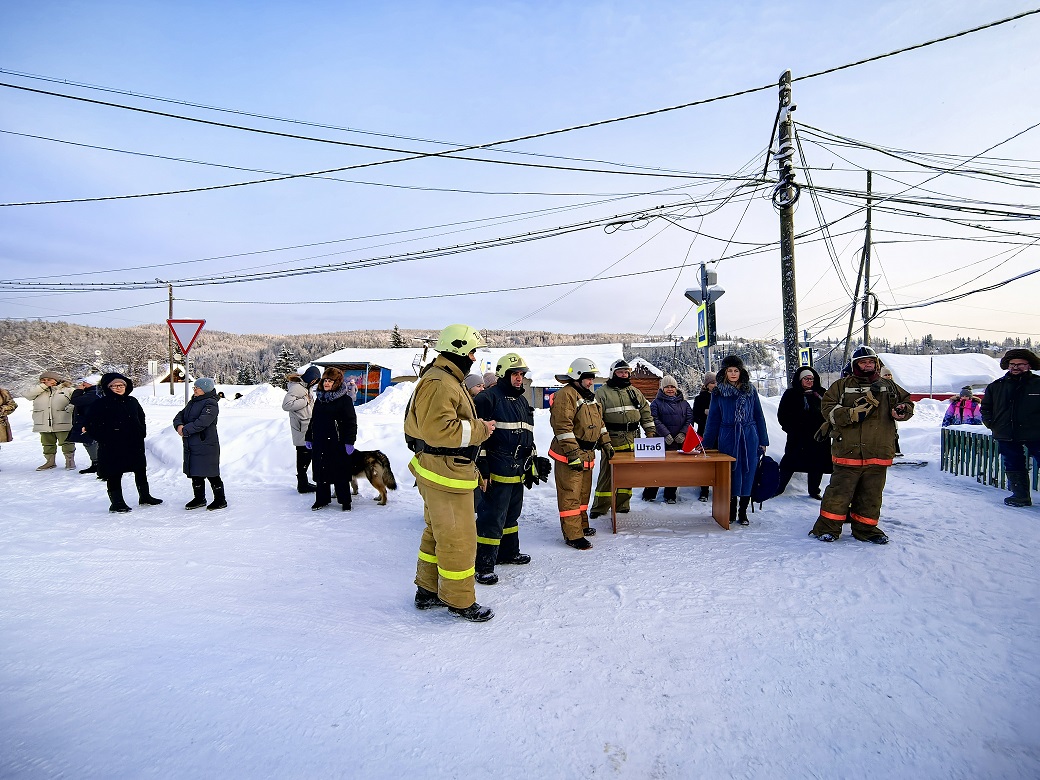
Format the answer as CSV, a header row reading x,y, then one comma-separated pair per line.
x,y
785,195
865,309
169,335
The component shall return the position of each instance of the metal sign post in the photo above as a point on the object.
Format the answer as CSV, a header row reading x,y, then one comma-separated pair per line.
x,y
185,331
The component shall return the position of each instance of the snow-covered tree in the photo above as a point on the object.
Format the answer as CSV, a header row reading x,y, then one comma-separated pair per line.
x,y
284,365
396,339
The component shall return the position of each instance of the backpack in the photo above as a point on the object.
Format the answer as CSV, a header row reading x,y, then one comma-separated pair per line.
x,y
767,481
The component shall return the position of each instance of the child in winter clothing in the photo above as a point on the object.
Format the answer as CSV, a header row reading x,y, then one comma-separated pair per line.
x,y
965,409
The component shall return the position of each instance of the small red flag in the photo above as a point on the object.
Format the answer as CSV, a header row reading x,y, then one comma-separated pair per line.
x,y
692,440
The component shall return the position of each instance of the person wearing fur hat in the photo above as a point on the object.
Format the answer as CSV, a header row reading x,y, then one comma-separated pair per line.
x,y
700,415
737,427
442,428
116,422
576,418
672,416
83,397
196,424
861,411
800,416
965,409
52,418
625,411
7,407
330,436
1011,410
299,403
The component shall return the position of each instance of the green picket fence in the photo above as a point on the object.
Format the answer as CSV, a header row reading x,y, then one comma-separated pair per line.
x,y
975,455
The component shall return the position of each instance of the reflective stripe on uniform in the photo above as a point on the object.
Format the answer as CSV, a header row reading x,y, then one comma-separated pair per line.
x,y
467,433
456,575
567,435
624,447
513,426
832,516
571,513
862,461
511,530
485,540
619,491
509,480
431,476
862,519
614,409
423,556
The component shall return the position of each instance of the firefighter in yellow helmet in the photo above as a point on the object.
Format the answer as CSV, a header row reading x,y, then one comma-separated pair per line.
x,y
577,422
442,428
625,410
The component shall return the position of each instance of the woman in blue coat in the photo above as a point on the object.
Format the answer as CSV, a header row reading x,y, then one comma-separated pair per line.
x,y
737,427
196,424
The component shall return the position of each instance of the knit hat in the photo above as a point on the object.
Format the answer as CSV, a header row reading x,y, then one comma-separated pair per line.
x,y
1019,354
490,377
710,378
966,391
472,380
669,381
205,384
311,375
50,375
804,372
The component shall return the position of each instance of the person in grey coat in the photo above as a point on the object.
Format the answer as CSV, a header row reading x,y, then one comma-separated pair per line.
x,y
196,424
299,403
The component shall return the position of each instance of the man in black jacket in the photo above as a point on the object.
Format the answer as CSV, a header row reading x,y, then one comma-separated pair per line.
x,y
1011,409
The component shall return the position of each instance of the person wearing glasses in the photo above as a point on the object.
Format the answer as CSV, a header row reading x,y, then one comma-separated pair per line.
x,y
1011,410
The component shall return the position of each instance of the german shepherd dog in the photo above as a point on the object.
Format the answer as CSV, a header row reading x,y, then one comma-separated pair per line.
x,y
374,466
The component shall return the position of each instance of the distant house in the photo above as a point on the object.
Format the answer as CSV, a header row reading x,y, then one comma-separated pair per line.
x,y
373,370
176,376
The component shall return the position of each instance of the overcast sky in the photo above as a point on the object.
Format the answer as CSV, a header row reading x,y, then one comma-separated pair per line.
x,y
421,77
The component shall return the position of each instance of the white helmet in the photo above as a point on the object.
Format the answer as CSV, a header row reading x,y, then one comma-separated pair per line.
x,y
620,363
581,366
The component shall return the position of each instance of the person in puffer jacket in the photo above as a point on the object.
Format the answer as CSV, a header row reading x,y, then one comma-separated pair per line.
x,y
52,418
299,403
965,409
672,415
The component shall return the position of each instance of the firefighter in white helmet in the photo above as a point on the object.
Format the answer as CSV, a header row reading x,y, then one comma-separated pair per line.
x,y
577,422
625,411
442,428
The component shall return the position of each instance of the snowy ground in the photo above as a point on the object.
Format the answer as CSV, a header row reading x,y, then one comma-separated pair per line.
x,y
269,641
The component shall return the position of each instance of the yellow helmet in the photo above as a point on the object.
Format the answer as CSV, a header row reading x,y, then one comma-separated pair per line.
x,y
510,362
459,339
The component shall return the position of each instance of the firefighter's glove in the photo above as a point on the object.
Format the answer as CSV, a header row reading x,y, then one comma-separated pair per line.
x,y
669,439
608,451
542,467
576,463
530,478
484,469
901,412
650,433
859,411
680,438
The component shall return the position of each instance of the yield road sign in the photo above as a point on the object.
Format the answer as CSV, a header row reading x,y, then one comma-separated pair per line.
x,y
185,331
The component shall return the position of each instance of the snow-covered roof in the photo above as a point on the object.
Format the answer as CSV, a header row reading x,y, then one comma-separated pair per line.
x,y
942,373
640,363
399,361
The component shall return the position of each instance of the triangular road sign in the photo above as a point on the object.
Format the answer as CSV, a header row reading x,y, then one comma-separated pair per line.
x,y
185,331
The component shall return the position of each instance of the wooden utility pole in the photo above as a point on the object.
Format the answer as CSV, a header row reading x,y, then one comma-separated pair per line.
x,y
785,195
169,338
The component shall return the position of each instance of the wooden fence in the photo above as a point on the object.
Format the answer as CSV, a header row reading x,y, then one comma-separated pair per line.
x,y
975,455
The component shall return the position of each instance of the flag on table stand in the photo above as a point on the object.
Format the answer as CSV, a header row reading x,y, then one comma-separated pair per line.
x,y
692,441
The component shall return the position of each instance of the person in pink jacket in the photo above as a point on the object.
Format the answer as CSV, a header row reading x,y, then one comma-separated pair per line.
x,y
965,409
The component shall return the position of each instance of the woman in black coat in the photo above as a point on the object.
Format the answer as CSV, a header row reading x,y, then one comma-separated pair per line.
x,y
800,417
116,423
330,436
196,424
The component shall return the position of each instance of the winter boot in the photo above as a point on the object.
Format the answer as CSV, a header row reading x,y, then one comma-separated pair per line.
x,y
520,559
485,564
473,613
732,510
49,464
144,496
91,470
218,502
703,497
742,510
427,599
115,495
589,531
70,461
1018,481
581,543
198,486
303,460
486,577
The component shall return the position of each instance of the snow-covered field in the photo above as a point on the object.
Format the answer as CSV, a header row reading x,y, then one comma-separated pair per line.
x,y
270,641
